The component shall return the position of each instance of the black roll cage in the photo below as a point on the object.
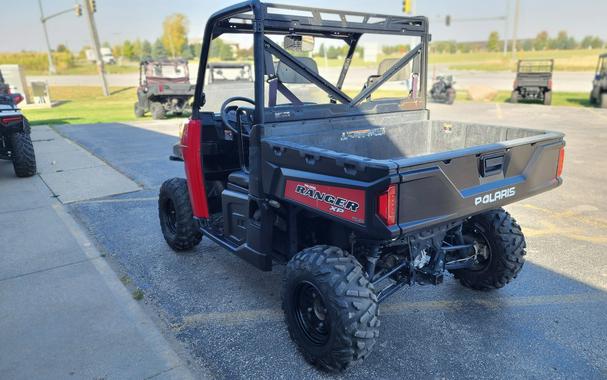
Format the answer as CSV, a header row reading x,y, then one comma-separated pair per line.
x,y
257,18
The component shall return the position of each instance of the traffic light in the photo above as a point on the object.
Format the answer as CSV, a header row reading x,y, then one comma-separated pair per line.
x,y
407,6
448,20
93,6
78,10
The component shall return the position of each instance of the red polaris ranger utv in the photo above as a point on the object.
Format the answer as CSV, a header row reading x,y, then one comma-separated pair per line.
x,y
357,195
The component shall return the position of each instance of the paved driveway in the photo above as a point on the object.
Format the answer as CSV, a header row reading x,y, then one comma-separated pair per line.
x,y
549,323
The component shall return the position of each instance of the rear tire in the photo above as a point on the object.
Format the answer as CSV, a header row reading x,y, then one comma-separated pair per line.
x,y
331,308
179,228
157,111
23,156
139,111
501,236
514,97
604,100
547,98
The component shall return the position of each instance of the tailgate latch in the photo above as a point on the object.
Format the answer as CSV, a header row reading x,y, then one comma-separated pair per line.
x,y
491,165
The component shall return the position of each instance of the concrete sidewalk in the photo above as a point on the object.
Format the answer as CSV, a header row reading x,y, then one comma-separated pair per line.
x,y
63,311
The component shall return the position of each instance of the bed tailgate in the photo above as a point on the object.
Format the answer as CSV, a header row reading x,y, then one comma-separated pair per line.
x,y
458,184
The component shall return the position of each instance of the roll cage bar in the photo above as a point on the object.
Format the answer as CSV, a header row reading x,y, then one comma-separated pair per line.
x,y
257,18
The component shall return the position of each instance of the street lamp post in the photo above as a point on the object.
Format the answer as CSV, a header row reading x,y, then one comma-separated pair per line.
x,y
51,64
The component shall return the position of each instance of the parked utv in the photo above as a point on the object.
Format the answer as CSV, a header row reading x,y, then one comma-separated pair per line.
x,y
164,87
358,195
15,141
533,81
598,95
229,71
442,90
5,89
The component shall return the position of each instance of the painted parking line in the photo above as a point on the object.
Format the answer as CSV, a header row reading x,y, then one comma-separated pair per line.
x,y
275,315
121,200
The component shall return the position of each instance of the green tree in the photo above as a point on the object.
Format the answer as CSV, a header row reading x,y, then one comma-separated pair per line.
x,y
541,41
597,43
493,44
127,50
146,49
174,33
321,50
186,52
158,50
196,49
563,41
61,48
527,45
137,49
220,49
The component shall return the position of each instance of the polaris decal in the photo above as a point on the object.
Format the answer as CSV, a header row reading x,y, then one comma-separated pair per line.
x,y
494,197
345,203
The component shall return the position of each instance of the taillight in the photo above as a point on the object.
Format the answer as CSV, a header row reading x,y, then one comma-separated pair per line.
x,y
515,85
6,120
550,84
559,167
386,205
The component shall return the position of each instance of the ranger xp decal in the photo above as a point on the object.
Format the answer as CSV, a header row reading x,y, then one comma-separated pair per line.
x,y
342,202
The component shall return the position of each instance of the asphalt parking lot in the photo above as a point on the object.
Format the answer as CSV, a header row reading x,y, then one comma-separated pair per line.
x,y
549,323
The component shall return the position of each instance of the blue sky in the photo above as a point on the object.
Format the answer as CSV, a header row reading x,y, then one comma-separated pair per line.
x,y
119,20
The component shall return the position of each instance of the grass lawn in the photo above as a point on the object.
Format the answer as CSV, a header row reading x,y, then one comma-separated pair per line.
x,y
90,69
564,60
85,105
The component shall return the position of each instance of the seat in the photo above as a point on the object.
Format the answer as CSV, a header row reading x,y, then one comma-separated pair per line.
x,y
239,178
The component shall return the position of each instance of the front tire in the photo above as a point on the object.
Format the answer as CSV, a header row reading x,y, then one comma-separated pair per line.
x,y
450,96
548,98
157,111
514,97
179,228
139,111
500,245
23,156
331,308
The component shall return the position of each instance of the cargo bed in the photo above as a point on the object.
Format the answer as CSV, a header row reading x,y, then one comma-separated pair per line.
x,y
445,169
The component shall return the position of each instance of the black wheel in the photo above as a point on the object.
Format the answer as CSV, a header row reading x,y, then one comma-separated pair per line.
x,y
139,111
330,307
179,228
500,249
157,111
23,156
514,97
450,96
547,98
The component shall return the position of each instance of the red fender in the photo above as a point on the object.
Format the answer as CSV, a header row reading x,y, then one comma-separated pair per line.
x,y
191,139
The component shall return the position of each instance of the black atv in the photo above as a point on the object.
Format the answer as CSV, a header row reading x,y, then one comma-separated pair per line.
x,y
164,87
598,95
533,81
15,141
442,90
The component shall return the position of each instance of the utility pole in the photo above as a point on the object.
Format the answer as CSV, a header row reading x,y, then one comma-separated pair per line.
x,y
506,21
517,5
88,5
51,64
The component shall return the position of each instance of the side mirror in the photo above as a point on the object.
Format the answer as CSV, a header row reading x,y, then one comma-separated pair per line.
x,y
298,43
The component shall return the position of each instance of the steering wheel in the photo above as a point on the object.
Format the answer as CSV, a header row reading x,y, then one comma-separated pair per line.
x,y
230,115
